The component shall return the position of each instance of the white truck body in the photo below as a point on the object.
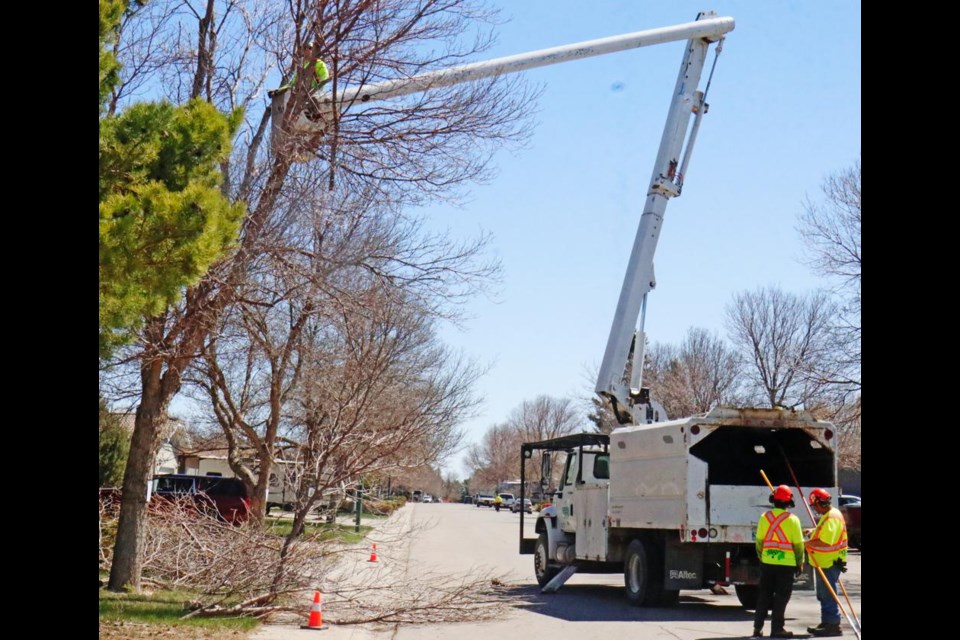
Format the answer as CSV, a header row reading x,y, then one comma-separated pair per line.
x,y
686,494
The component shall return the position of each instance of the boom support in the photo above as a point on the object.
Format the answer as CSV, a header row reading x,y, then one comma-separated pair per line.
x,y
630,402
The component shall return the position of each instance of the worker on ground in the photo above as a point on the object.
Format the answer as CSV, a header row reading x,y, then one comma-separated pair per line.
x,y
779,545
827,547
497,501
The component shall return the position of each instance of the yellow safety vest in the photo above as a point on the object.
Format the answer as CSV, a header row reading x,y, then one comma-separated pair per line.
x,y
828,542
320,76
779,537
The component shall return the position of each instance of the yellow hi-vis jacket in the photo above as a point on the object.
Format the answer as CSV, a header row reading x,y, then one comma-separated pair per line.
x,y
828,542
780,538
321,75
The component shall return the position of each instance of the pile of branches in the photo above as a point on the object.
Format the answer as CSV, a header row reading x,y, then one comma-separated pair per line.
x,y
248,570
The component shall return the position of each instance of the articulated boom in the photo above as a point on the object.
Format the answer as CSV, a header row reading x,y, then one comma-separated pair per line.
x,y
630,402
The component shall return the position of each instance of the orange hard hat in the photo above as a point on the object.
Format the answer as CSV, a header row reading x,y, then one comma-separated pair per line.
x,y
819,495
783,493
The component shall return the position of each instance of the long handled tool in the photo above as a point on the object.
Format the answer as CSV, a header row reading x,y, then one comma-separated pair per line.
x,y
833,594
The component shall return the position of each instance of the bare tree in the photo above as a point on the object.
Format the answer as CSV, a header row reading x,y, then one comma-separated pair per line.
x,y
378,394
496,458
830,229
420,148
782,337
700,374
252,367
545,417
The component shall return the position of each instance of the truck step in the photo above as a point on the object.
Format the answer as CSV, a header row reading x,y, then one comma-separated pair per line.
x,y
559,579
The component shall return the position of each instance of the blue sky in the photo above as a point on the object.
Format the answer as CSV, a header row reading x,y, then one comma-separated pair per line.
x,y
784,114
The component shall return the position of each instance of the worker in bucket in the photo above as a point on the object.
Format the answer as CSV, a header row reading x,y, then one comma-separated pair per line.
x,y
780,549
827,546
320,75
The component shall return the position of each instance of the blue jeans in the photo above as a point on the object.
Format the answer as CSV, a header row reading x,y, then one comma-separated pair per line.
x,y
829,611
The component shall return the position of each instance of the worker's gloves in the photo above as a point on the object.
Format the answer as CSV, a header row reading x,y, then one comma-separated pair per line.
x,y
842,565
798,572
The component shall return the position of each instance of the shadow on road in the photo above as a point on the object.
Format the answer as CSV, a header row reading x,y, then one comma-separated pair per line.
x,y
591,603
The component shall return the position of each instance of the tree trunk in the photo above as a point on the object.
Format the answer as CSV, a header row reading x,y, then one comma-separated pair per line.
x,y
125,572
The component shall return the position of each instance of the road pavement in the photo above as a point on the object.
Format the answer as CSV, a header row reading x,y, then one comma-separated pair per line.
x,y
458,539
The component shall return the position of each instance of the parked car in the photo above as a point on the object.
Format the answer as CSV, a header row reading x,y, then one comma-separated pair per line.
x,y
427,497
417,496
507,500
527,506
484,500
225,498
850,508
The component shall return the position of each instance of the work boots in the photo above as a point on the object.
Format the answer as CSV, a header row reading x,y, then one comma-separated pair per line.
x,y
782,633
825,631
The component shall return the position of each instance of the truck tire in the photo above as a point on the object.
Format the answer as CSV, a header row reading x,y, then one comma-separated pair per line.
x,y
748,594
643,574
541,561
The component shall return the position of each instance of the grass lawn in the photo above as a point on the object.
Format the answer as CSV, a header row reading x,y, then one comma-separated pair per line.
x,y
328,531
157,614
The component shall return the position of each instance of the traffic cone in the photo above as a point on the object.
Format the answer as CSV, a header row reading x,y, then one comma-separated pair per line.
x,y
373,553
316,615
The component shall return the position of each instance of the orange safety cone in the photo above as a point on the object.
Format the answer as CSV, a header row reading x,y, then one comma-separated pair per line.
x,y
316,615
373,553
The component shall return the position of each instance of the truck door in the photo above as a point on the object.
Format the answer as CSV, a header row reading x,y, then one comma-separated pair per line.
x,y
565,497
590,507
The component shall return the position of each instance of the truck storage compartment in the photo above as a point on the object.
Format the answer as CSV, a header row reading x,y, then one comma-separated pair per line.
x,y
735,455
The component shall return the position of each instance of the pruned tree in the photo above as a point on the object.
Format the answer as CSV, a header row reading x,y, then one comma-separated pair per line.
x,y
783,338
378,393
696,376
420,148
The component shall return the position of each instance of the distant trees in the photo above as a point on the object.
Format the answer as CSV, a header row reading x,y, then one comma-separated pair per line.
x,y
694,377
497,457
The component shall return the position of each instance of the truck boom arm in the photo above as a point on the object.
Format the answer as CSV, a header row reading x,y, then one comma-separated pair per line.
x,y
629,402
708,27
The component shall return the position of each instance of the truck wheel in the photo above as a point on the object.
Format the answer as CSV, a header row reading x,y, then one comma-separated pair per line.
x,y
748,594
643,574
541,561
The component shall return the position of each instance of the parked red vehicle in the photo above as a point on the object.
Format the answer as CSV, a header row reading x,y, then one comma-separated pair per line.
x,y
226,498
